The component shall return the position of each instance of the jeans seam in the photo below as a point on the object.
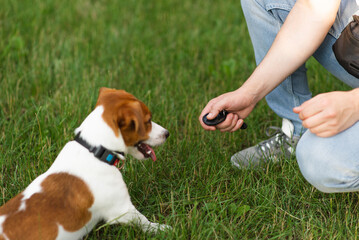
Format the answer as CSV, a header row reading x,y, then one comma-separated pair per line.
x,y
271,7
289,88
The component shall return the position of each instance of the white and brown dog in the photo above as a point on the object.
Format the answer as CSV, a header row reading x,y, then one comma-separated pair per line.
x,y
83,186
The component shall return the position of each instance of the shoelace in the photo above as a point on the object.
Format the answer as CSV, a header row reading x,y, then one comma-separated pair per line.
x,y
276,137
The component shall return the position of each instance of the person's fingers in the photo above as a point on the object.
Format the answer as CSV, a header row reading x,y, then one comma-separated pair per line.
x,y
298,109
227,102
229,123
205,126
226,123
208,128
213,113
309,112
315,120
326,134
205,110
326,128
213,108
238,125
216,108
319,129
311,107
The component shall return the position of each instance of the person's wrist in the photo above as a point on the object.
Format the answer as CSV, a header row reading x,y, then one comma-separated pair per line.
x,y
244,95
253,92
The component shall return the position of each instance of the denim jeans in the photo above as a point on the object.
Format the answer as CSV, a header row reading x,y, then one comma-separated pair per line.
x,y
264,19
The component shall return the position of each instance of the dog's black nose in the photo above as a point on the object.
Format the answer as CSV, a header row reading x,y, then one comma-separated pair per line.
x,y
167,134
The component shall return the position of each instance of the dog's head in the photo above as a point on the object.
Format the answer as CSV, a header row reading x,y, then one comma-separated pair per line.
x,y
131,119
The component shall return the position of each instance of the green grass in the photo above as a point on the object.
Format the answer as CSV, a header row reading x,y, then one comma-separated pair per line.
x,y
174,56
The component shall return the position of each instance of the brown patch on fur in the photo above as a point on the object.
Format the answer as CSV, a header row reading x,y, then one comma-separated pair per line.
x,y
12,205
65,200
124,112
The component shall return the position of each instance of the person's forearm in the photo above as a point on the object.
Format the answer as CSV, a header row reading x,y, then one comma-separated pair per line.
x,y
301,34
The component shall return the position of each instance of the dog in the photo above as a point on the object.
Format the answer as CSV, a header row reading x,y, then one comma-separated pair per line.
x,y
83,186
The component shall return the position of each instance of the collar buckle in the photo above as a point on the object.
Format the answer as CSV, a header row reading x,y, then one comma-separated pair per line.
x,y
105,155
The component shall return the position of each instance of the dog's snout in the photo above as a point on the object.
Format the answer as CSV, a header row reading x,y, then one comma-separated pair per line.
x,y
167,134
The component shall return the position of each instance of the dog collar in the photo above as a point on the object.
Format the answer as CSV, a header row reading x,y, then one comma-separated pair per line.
x,y
102,153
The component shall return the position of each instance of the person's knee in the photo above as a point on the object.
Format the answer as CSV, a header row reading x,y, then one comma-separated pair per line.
x,y
308,160
322,167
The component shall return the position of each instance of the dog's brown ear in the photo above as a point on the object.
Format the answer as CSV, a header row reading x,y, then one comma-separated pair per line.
x,y
130,119
102,93
131,124
102,90
108,97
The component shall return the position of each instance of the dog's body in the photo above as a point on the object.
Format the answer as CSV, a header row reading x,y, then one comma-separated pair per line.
x,y
79,190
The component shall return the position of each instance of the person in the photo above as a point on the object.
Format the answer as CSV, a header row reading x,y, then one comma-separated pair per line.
x,y
323,130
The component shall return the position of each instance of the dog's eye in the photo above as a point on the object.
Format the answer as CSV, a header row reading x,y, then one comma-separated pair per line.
x,y
149,120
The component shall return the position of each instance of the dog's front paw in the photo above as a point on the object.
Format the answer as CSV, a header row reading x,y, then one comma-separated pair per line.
x,y
164,227
155,227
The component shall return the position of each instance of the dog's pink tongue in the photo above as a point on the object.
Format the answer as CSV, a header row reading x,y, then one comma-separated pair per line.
x,y
151,152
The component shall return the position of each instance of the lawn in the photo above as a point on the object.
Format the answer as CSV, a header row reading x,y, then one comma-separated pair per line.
x,y
175,56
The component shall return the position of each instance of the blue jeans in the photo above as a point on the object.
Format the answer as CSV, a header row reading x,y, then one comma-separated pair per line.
x,y
264,19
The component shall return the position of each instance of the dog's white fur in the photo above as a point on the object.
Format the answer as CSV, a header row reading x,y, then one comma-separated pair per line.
x,y
111,198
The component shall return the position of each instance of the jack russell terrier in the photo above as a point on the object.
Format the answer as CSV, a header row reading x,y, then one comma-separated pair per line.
x,y
83,186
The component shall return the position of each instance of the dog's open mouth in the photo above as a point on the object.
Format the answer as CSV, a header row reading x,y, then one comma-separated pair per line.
x,y
146,150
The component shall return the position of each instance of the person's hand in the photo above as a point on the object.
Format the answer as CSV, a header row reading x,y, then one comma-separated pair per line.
x,y
238,105
328,114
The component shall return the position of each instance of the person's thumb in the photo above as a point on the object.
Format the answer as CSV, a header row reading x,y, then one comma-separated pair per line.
x,y
216,108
